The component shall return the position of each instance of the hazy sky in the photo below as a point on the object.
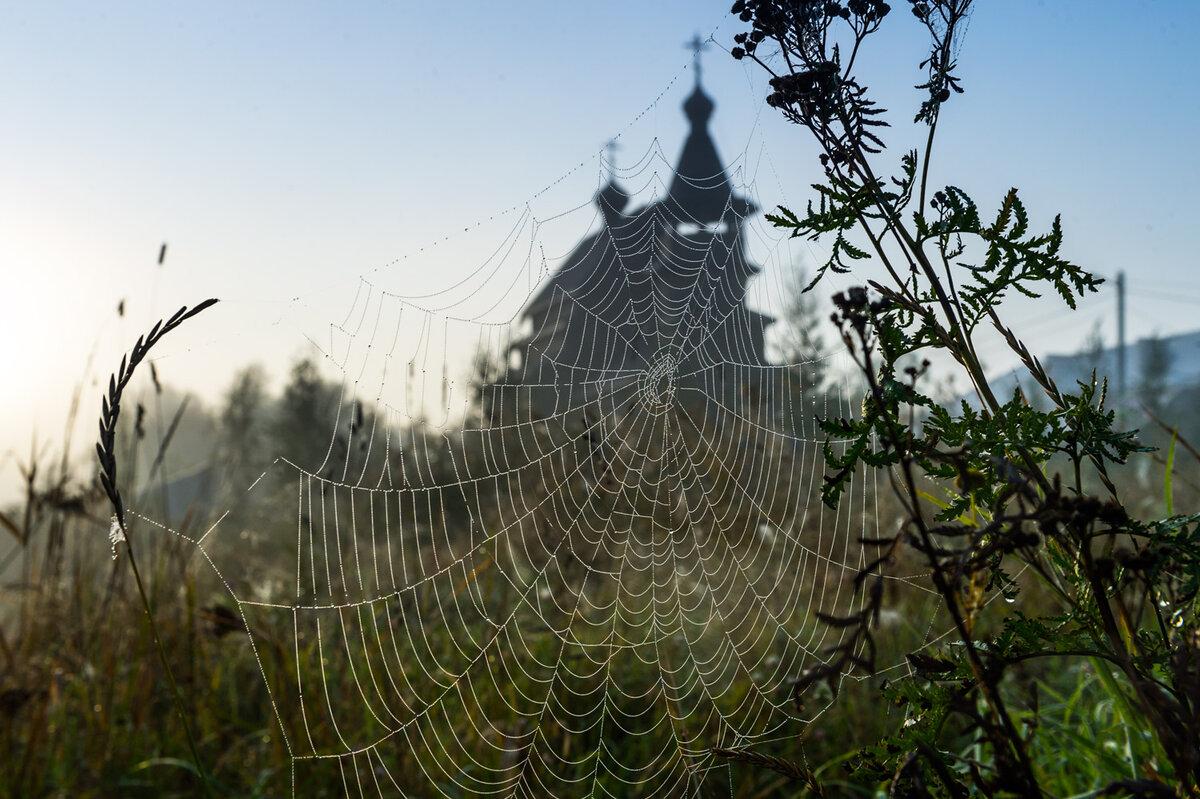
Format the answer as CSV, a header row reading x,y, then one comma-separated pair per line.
x,y
283,150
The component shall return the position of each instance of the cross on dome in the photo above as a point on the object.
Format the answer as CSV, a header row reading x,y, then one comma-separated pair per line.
x,y
697,46
610,157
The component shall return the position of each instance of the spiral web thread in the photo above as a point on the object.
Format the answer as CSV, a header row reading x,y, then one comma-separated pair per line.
x,y
581,572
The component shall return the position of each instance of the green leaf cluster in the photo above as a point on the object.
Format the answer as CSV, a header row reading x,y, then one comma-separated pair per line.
x,y
993,493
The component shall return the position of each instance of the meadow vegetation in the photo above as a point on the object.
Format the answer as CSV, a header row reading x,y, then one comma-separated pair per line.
x,y
1020,486
1066,569
88,712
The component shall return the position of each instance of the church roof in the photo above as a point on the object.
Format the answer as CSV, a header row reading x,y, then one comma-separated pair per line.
x,y
700,191
675,267
700,194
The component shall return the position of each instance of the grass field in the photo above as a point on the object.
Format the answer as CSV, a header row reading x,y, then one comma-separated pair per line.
x,y
87,710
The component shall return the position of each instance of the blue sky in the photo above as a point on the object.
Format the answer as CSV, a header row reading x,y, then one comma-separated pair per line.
x,y
283,150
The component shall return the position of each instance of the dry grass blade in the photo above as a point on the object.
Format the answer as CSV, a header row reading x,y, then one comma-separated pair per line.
x,y
9,525
1174,431
106,451
1029,360
110,409
776,764
168,436
1051,388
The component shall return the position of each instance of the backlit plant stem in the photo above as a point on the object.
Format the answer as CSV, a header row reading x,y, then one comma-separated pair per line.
x,y
106,451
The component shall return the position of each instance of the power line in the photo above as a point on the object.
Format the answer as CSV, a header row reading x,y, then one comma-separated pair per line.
x,y
1166,296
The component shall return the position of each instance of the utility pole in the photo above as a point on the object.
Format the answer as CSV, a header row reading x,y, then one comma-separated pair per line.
x,y
1121,384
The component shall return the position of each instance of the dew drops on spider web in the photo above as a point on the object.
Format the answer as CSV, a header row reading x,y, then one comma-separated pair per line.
x,y
600,560
116,535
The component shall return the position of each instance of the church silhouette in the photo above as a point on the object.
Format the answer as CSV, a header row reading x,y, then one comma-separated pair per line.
x,y
651,309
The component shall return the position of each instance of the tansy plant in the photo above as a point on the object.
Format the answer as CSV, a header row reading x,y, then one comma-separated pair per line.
x,y
985,488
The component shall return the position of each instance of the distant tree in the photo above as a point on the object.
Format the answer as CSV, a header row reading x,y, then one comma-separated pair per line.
x,y
1156,365
324,429
1092,349
799,339
488,370
303,428
801,351
243,425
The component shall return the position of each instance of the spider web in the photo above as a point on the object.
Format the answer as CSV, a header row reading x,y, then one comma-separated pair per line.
x,y
581,567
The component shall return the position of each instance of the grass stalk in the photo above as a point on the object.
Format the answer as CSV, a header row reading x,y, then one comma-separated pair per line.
x,y
162,656
106,451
